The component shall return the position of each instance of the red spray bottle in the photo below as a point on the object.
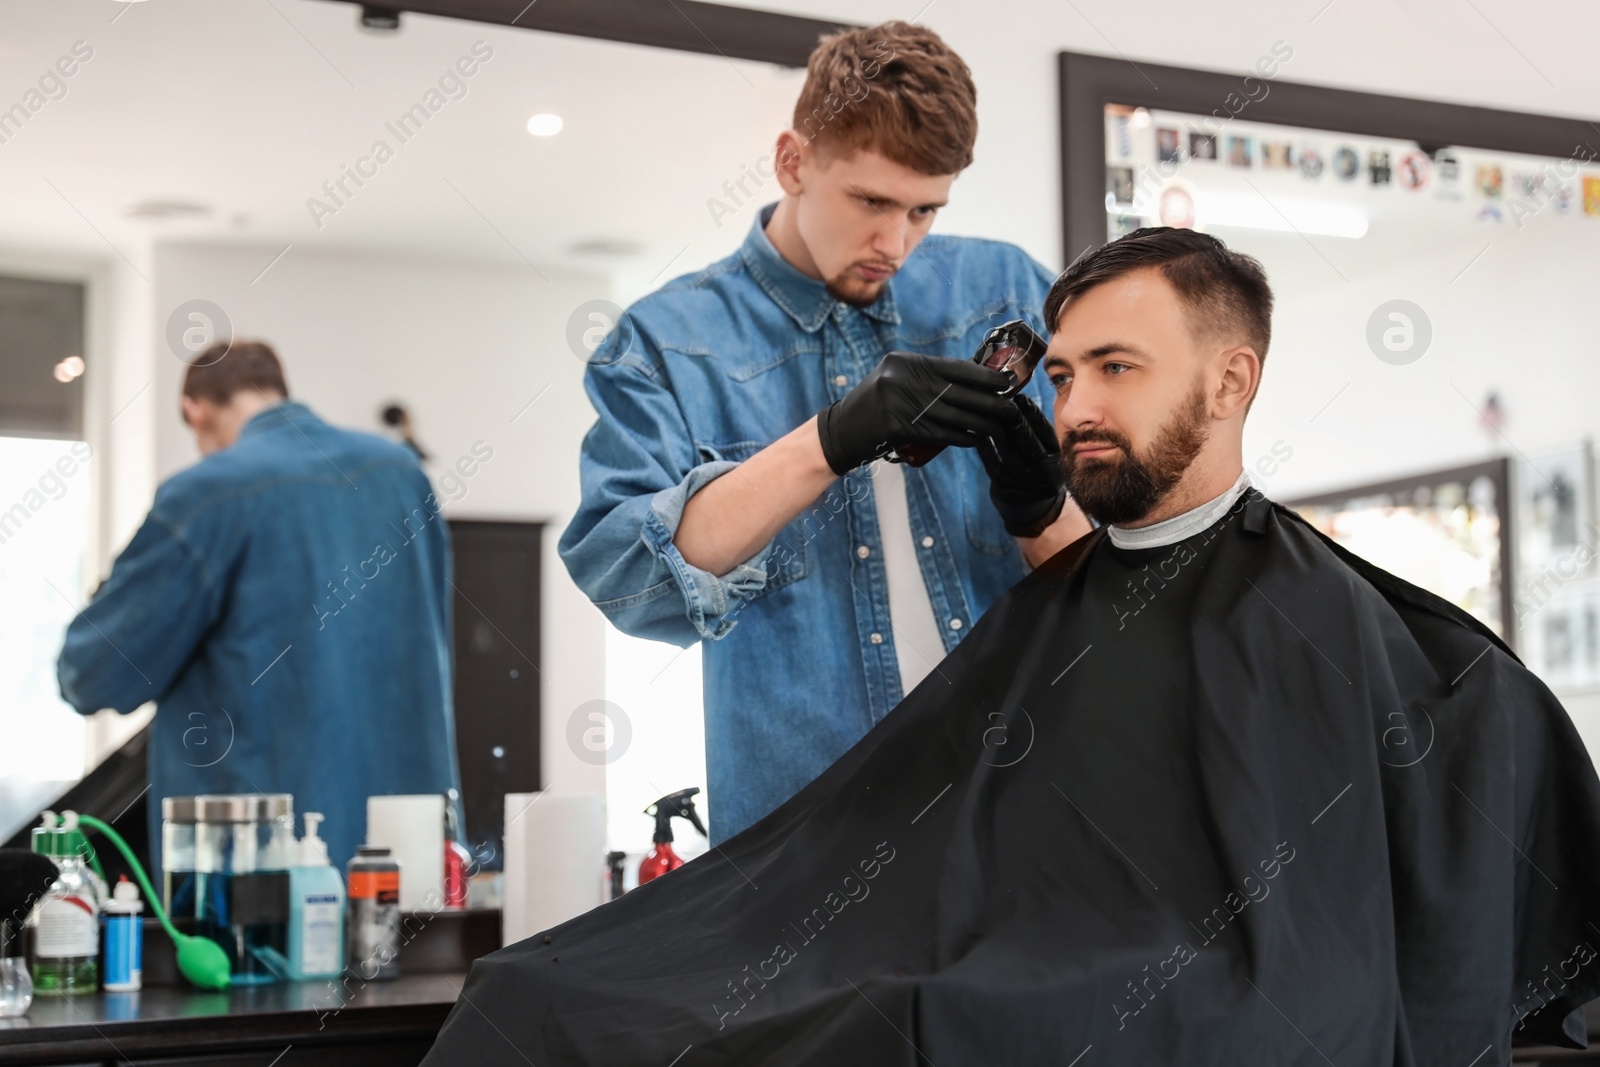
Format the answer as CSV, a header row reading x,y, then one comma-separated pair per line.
x,y
662,858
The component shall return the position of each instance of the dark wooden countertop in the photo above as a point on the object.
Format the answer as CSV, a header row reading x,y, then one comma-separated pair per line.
x,y
349,1023
389,1022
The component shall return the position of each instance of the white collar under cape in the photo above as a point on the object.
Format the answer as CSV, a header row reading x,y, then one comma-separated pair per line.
x,y
1170,531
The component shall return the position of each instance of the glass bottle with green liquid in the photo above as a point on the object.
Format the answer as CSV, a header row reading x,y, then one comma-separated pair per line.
x,y
65,924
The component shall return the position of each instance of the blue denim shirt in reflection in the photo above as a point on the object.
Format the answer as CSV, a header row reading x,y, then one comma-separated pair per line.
x,y
715,366
287,604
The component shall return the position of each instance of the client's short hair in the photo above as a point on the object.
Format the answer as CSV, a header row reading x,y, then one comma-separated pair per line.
x,y
1225,292
225,369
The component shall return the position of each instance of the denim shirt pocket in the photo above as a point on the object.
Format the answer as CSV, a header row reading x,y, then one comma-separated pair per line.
x,y
789,560
746,364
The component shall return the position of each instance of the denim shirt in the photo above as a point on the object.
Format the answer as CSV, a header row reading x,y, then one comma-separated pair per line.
x,y
705,372
287,603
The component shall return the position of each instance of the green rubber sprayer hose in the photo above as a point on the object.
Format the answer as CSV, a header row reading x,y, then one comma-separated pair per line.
x,y
200,959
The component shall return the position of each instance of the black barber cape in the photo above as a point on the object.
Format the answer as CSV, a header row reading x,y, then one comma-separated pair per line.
x,y
1243,799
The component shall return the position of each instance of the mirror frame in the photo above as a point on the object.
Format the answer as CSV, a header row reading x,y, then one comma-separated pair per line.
x,y
1088,83
684,25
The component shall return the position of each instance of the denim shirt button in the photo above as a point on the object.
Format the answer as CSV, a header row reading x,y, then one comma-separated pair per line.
x,y
840,380
927,542
863,551
876,639
955,624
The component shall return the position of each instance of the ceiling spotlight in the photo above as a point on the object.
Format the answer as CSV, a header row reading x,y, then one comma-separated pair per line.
x,y
545,125
69,369
379,18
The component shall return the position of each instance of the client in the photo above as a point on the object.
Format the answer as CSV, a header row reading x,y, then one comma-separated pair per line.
x,y
1204,788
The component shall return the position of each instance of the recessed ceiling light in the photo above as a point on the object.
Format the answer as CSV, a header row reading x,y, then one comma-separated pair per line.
x,y
69,368
545,125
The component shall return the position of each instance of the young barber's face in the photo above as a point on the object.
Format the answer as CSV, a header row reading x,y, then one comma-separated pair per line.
x,y
861,216
1131,405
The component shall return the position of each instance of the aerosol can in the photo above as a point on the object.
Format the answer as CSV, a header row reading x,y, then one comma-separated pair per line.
x,y
661,859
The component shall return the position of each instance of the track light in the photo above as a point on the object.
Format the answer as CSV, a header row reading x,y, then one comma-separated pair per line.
x,y
379,18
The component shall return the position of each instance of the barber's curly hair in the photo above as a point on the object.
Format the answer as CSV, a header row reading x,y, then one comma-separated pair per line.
x,y
1225,292
895,88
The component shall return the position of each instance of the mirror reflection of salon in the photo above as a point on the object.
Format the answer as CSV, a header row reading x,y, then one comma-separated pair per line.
x,y
445,217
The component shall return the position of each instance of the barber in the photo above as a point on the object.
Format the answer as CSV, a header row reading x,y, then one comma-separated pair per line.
x,y
287,605
733,487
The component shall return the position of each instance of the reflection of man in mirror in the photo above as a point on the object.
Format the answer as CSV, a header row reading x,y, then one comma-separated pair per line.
x,y
287,606
733,401
1203,788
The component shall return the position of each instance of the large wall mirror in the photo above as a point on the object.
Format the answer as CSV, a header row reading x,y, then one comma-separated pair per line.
x,y
443,215
1426,396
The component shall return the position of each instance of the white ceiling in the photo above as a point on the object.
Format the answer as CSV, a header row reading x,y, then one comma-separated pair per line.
x,y
249,107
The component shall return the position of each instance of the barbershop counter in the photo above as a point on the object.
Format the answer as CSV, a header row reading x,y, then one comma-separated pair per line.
x,y
310,1024
286,1024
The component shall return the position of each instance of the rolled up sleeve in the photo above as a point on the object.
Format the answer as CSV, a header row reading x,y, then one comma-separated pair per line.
x,y
639,467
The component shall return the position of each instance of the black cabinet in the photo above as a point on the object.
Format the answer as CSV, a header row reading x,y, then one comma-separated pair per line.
x,y
498,672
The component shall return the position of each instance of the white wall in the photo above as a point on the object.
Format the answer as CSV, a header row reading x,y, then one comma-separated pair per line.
x,y
465,348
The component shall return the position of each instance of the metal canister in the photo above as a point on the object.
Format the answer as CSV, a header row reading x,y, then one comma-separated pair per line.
x,y
373,923
177,855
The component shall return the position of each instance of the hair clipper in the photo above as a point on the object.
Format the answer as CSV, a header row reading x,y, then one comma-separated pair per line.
x,y
1012,347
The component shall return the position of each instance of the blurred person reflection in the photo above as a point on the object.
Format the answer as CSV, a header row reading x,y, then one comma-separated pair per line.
x,y
287,605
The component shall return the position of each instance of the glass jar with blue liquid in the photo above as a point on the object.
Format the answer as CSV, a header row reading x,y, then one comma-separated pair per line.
x,y
225,878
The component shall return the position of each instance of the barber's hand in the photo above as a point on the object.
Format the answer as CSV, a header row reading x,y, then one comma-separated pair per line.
x,y
909,400
1026,482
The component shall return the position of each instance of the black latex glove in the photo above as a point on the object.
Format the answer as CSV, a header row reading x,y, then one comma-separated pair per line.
x,y
1026,482
911,400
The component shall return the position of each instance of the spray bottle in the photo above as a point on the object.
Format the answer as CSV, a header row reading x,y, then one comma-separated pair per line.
x,y
661,859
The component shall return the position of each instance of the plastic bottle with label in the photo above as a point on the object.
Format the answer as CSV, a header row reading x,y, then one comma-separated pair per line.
x,y
316,909
123,962
66,922
373,922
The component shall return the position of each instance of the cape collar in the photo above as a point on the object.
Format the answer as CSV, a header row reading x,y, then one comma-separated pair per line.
x,y
1171,531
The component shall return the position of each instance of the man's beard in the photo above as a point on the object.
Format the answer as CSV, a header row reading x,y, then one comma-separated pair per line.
x,y
1123,487
857,292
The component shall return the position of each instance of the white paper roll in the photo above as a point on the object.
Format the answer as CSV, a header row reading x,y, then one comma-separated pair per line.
x,y
554,860
412,827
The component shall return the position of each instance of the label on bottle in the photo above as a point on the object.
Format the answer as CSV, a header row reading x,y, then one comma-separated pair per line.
x,y
382,886
121,961
319,933
67,927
